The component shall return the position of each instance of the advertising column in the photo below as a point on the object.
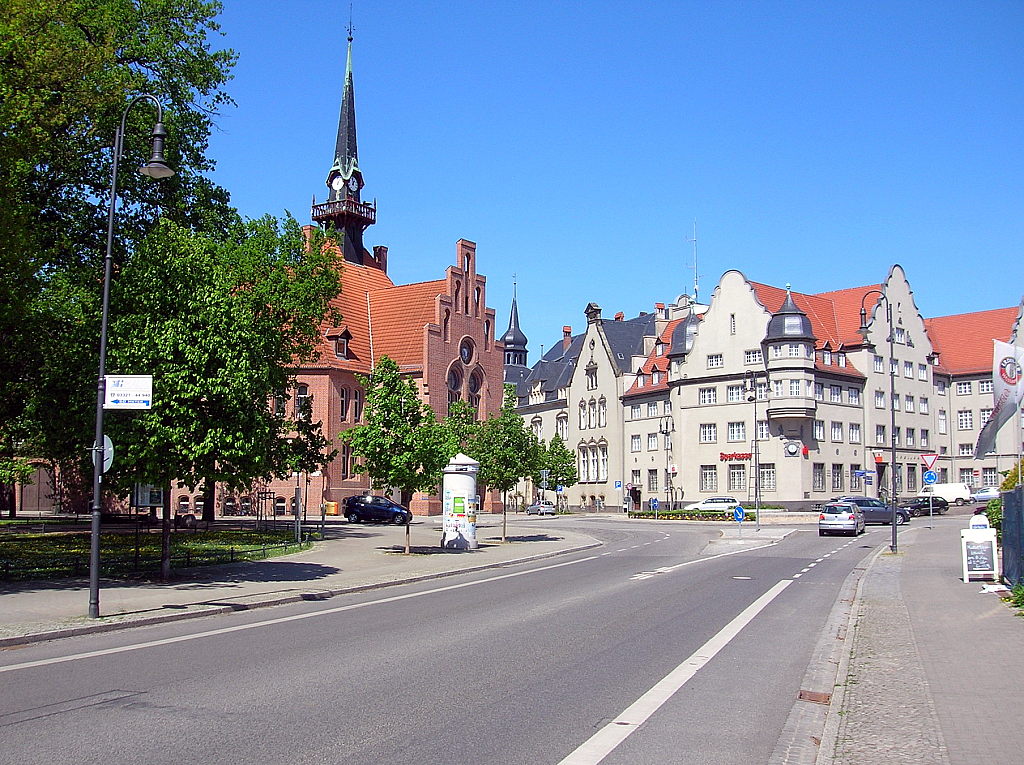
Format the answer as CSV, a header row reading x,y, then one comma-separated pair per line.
x,y
460,503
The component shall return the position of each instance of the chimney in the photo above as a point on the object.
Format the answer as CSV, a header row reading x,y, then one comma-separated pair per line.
x,y
380,254
566,337
620,316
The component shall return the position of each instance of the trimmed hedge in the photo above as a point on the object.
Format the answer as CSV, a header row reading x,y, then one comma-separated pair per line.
x,y
693,515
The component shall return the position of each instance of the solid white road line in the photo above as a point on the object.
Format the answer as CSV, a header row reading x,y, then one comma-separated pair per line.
x,y
601,744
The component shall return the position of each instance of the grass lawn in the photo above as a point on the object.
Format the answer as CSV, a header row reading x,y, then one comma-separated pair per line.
x,y
50,556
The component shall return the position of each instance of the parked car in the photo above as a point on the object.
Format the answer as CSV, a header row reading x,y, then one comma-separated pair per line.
x,y
876,511
984,495
367,507
841,517
544,507
951,492
917,506
725,504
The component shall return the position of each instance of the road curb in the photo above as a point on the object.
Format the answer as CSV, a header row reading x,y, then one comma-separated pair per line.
x,y
202,609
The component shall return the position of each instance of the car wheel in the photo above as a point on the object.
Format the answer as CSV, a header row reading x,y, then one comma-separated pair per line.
x,y
900,520
398,519
960,502
352,517
821,533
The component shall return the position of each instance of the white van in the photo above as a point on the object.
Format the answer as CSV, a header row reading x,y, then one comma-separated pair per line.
x,y
953,493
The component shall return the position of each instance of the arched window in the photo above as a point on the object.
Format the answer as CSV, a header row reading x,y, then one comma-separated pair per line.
x,y
592,414
346,460
582,463
458,293
583,416
357,405
602,413
454,384
487,335
562,426
343,404
447,325
476,301
476,384
303,402
536,427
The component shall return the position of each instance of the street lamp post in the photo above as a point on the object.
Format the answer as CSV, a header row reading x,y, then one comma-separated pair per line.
x,y
892,398
666,434
750,386
157,167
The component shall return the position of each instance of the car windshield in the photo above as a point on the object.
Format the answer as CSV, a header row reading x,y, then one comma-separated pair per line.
x,y
837,509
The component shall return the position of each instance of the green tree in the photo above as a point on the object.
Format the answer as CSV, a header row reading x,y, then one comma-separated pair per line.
x,y
401,444
219,324
505,448
559,462
68,68
1012,477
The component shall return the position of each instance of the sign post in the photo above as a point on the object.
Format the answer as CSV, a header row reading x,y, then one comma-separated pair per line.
x,y
654,506
739,513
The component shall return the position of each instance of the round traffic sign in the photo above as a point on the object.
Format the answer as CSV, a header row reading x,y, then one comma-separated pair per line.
x,y
654,503
929,477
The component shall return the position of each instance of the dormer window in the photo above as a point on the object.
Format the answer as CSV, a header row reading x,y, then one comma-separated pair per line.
x,y
826,358
341,348
792,325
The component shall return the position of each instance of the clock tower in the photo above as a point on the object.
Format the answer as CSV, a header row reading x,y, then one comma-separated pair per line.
x,y
344,210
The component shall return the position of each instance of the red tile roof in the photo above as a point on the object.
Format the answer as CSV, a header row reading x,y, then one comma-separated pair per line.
x,y
964,341
656,362
399,315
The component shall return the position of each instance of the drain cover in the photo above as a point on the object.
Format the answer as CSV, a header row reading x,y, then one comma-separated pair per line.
x,y
818,697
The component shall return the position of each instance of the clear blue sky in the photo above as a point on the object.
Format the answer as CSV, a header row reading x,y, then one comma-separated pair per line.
x,y
576,143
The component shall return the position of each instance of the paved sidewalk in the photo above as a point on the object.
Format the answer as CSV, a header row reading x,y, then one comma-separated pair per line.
x,y
933,666
353,557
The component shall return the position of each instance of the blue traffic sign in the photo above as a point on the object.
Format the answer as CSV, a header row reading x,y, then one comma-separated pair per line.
x,y
929,477
654,503
739,513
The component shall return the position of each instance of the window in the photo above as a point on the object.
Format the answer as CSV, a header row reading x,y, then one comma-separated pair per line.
x,y
652,408
897,433
767,477
777,388
924,438
879,399
584,469
908,369
854,432
940,386
634,443
668,407
640,379
835,394
964,419
655,377
922,371
732,324
761,391
922,405
894,367
818,476
878,364
753,357
794,387
796,350
895,402
819,392
837,432
984,386
659,349
854,478
652,480
854,396
708,433
715,361
562,426
636,478
989,477
537,427
910,436
826,358
899,335
819,430
908,403
343,403
737,431
708,395
667,441
966,450
303,403
911,477
341,348
963,388
734,393
591,377
737,477
634,412
583,415
603,456
763,432
879,434
967,476
841,359
837,478
984,415
593,464
943,425
652,442
709,478
592,414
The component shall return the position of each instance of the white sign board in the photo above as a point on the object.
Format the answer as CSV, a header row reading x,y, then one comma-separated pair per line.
x,y
128,392
929,460
978,554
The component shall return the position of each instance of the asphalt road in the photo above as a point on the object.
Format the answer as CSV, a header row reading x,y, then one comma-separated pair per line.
x,y
517,665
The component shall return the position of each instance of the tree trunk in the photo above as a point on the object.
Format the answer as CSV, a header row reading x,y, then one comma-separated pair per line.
x,y
7,500
165,538
209,492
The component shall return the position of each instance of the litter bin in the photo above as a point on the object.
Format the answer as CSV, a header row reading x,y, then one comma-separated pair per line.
x,y
331,508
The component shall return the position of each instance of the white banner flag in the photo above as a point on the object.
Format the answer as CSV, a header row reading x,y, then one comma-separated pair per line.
x,y
1008,388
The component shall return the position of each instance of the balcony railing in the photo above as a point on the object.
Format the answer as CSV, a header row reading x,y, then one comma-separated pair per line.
x,y
364,210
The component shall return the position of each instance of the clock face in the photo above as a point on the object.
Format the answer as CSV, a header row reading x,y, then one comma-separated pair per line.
x,y
337,182
353,184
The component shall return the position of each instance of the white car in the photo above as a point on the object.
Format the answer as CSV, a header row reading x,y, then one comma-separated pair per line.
x,y
715,503
544,507
984,495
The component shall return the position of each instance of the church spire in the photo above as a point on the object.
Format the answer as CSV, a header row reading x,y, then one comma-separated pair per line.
x,y
344,211
514,340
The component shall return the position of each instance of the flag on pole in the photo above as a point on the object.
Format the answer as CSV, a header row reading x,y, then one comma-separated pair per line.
x,y
1008,389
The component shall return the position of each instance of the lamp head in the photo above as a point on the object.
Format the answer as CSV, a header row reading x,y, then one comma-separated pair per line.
x,y
157,166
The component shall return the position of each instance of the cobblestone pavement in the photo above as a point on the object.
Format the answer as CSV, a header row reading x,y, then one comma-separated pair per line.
x,y
887,714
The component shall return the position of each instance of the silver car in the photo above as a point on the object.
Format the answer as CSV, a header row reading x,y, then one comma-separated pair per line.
x,y
840,518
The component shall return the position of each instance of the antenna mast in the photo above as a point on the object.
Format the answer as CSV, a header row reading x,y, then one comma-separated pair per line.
x,y
696,278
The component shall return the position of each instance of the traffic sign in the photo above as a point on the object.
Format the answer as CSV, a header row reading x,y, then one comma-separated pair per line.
x,y
618,484
929,460
654,503
128,392
739,513
103,457
929,477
